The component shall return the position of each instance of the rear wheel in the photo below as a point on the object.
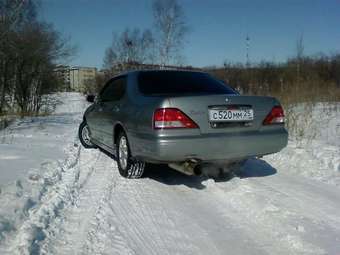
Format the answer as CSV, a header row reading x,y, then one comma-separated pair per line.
x,y
84,136
128,166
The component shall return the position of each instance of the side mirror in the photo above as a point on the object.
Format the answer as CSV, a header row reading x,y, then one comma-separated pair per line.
x,y
90,98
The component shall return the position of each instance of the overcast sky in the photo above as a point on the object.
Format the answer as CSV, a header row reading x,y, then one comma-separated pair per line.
x,y
218,27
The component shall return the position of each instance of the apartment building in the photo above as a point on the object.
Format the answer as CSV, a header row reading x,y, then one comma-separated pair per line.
x,y
63,74
82,77
77,78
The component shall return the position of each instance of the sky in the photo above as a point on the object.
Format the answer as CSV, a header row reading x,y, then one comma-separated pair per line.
x,y
218,28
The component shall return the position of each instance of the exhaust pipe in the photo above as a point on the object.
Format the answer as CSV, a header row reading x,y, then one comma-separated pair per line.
x,y
188,167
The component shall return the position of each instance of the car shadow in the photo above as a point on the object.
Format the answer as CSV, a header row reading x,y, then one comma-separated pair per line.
x,y
250,169
169,176
162,173
256,168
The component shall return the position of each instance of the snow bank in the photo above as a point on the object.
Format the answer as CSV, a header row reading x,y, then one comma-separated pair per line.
x,y
313,150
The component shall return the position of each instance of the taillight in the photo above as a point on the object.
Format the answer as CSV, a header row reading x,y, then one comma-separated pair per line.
x,y
165,118
276,116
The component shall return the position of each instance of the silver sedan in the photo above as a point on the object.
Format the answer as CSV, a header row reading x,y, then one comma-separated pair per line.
x,y
181,118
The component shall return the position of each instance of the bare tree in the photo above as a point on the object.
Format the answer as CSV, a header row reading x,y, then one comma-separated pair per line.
x,y
171,28
13,14
299,56
40,47
29,50
131,46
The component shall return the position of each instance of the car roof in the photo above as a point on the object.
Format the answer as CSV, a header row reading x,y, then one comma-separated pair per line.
x,y
157,70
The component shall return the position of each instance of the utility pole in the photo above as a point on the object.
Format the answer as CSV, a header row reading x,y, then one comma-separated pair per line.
x,y
248,71
247,51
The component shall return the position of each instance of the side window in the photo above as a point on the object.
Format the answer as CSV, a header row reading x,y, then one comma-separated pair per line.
x,y
115,90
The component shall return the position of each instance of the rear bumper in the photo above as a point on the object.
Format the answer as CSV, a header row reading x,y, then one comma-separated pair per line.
x,y
215,147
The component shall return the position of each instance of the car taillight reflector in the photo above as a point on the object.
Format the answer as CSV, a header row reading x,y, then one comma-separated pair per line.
x,y
165,118
276,116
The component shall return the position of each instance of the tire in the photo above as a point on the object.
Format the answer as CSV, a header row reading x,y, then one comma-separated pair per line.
x,y
84,136
128,166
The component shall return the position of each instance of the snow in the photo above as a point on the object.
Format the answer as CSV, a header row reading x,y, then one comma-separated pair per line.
x,y
29,142
317,154
69,200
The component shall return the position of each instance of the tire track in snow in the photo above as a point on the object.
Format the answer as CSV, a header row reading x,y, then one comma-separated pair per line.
x,y
53,200
265,222
148,226
104,237
63,226
77,224
281,214
156,218
264,215
107,214
145,217
62,194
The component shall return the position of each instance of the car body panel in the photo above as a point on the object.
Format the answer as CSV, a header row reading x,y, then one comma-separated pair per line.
x,y
212,147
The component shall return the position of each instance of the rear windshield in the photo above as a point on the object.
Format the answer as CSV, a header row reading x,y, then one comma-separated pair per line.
x,y
180,83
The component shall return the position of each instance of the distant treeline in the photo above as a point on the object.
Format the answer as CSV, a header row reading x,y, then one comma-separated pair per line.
x,y
297,80
304,79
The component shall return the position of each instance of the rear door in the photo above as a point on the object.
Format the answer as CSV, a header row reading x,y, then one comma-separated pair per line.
x,y
110,108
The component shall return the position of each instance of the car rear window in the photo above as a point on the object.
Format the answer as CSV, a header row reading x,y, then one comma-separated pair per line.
x,y
180,83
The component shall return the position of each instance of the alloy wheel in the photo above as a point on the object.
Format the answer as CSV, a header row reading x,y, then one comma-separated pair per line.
x,y
123,152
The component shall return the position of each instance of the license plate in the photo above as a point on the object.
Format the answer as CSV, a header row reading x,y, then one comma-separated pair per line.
x,y
231,115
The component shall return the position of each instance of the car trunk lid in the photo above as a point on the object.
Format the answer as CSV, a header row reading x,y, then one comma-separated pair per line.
x,y
197,108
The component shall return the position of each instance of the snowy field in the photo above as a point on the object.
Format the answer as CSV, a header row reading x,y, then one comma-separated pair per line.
x,y
58,198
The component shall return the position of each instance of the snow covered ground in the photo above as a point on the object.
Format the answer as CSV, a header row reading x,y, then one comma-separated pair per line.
x,y
316,153
69,200
31,142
